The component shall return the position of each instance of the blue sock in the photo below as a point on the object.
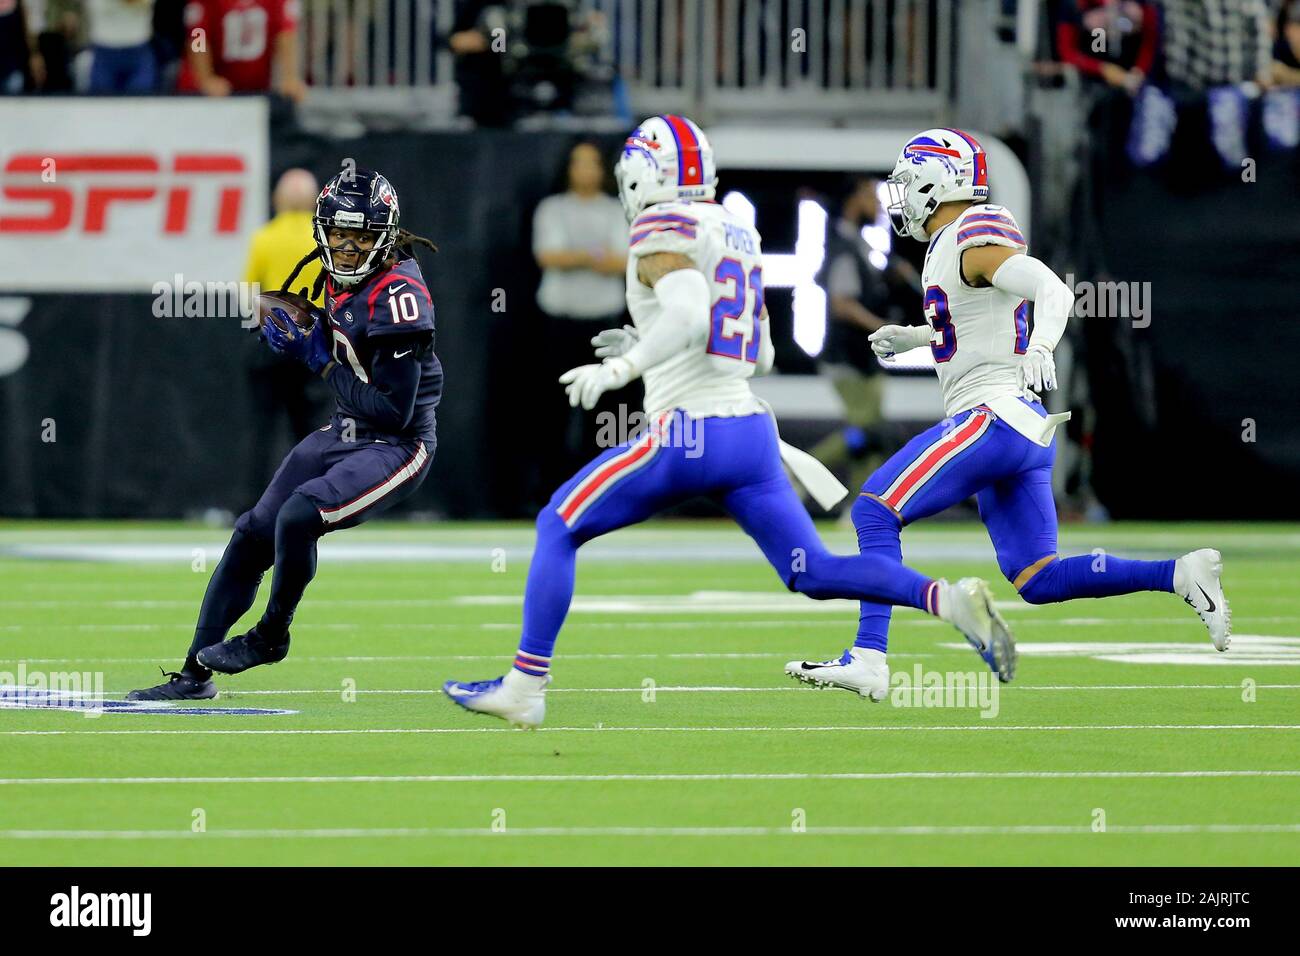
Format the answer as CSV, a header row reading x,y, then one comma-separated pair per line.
x,y
878,533
1096,576
548,594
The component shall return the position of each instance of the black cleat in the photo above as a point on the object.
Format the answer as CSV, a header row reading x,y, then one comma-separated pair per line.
x,y
177,687
240,653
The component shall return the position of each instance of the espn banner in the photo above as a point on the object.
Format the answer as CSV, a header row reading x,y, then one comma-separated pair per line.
x,y
115,195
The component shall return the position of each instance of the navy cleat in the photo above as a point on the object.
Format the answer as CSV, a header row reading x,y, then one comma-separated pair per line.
x,y
518,698
240,653
180,686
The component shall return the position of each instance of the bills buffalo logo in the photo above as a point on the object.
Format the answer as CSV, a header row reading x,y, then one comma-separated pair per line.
x,y
638,143
921,150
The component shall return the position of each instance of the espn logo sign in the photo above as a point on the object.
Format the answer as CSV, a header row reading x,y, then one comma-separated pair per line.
x,y
78,192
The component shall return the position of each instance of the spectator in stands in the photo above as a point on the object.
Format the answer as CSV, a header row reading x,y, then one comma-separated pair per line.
x,y
21,65
232,46
1114,43
1286,46
281,384
122,56
857,280
480,75
169,40
580,243
1209,43
59,28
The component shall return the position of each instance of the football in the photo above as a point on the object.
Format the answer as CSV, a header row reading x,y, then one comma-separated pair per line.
x,y
297,307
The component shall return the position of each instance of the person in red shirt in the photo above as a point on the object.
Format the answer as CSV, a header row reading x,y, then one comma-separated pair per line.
x,y
242,39
1110,40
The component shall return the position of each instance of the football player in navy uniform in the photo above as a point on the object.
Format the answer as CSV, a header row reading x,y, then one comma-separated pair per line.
x,y
373,345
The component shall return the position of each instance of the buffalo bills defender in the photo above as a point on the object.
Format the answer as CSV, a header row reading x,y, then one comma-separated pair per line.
x,y
997,443
373,344
700,331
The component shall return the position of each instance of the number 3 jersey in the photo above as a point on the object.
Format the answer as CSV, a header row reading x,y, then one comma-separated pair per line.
x,y
712,380
388,317
979,334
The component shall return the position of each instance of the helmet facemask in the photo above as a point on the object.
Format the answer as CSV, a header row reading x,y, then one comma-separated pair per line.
x,y
368,260
912,200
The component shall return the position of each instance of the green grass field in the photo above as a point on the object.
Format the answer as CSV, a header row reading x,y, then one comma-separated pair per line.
x,y
672,735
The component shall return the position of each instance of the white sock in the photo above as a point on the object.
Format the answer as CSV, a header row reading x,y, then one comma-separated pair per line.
x,y
868,655
1181,584
517,679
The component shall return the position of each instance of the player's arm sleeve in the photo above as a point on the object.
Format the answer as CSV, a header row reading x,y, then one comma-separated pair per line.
x,y
387,401
1029,278
683,321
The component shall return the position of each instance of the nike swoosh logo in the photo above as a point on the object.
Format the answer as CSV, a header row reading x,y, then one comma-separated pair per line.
x,y
1211,608
403,354
396,288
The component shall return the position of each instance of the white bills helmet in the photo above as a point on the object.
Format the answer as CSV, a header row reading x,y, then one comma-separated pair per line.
x,y
937,166
665,158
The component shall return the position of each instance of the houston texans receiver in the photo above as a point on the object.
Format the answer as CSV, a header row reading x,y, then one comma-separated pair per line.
x,y
373,345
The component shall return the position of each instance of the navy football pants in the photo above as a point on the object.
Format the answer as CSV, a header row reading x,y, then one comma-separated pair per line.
x,y
324,484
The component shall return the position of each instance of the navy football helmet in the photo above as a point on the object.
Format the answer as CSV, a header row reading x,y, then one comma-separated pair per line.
x,y
356,199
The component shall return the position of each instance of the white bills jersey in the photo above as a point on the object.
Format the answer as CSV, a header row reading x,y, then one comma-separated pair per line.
x,y
711,379
978,334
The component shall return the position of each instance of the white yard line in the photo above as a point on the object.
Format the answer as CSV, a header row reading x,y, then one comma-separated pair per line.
x,y
651,831
705,689
912,728
661,777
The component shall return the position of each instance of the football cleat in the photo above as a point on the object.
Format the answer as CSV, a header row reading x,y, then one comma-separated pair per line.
x,y
240,653
180,686
1197,581
518,698
860,670
968,606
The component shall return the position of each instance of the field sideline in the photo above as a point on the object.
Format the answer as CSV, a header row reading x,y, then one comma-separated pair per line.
x,y
672,735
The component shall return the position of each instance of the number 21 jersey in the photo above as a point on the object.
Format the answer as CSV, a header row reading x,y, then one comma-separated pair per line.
x,y
713,379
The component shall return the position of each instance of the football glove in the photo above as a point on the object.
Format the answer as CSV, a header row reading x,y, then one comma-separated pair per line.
x,y
312,349
586,383
891,340
1037,370
611,343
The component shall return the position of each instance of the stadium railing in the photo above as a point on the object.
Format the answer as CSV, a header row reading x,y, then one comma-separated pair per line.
x,y
815,59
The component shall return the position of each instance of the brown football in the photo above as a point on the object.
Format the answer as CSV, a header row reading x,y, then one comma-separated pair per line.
x,y
297,307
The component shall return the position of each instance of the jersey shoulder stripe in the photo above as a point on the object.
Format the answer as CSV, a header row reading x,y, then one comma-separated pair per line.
x,y
988,225
681,228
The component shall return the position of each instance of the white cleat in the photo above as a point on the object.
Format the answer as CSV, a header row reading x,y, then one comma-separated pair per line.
x,y
518,698
860,670
968,606
1197,580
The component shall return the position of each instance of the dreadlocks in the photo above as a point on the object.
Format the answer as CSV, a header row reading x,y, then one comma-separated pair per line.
x,y
405,245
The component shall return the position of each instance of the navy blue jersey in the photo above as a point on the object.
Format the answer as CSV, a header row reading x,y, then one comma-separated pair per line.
x,y
380,326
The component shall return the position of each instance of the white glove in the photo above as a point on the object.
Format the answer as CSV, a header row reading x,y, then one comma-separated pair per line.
x,y
1037,370
611,343
586,383
890,340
